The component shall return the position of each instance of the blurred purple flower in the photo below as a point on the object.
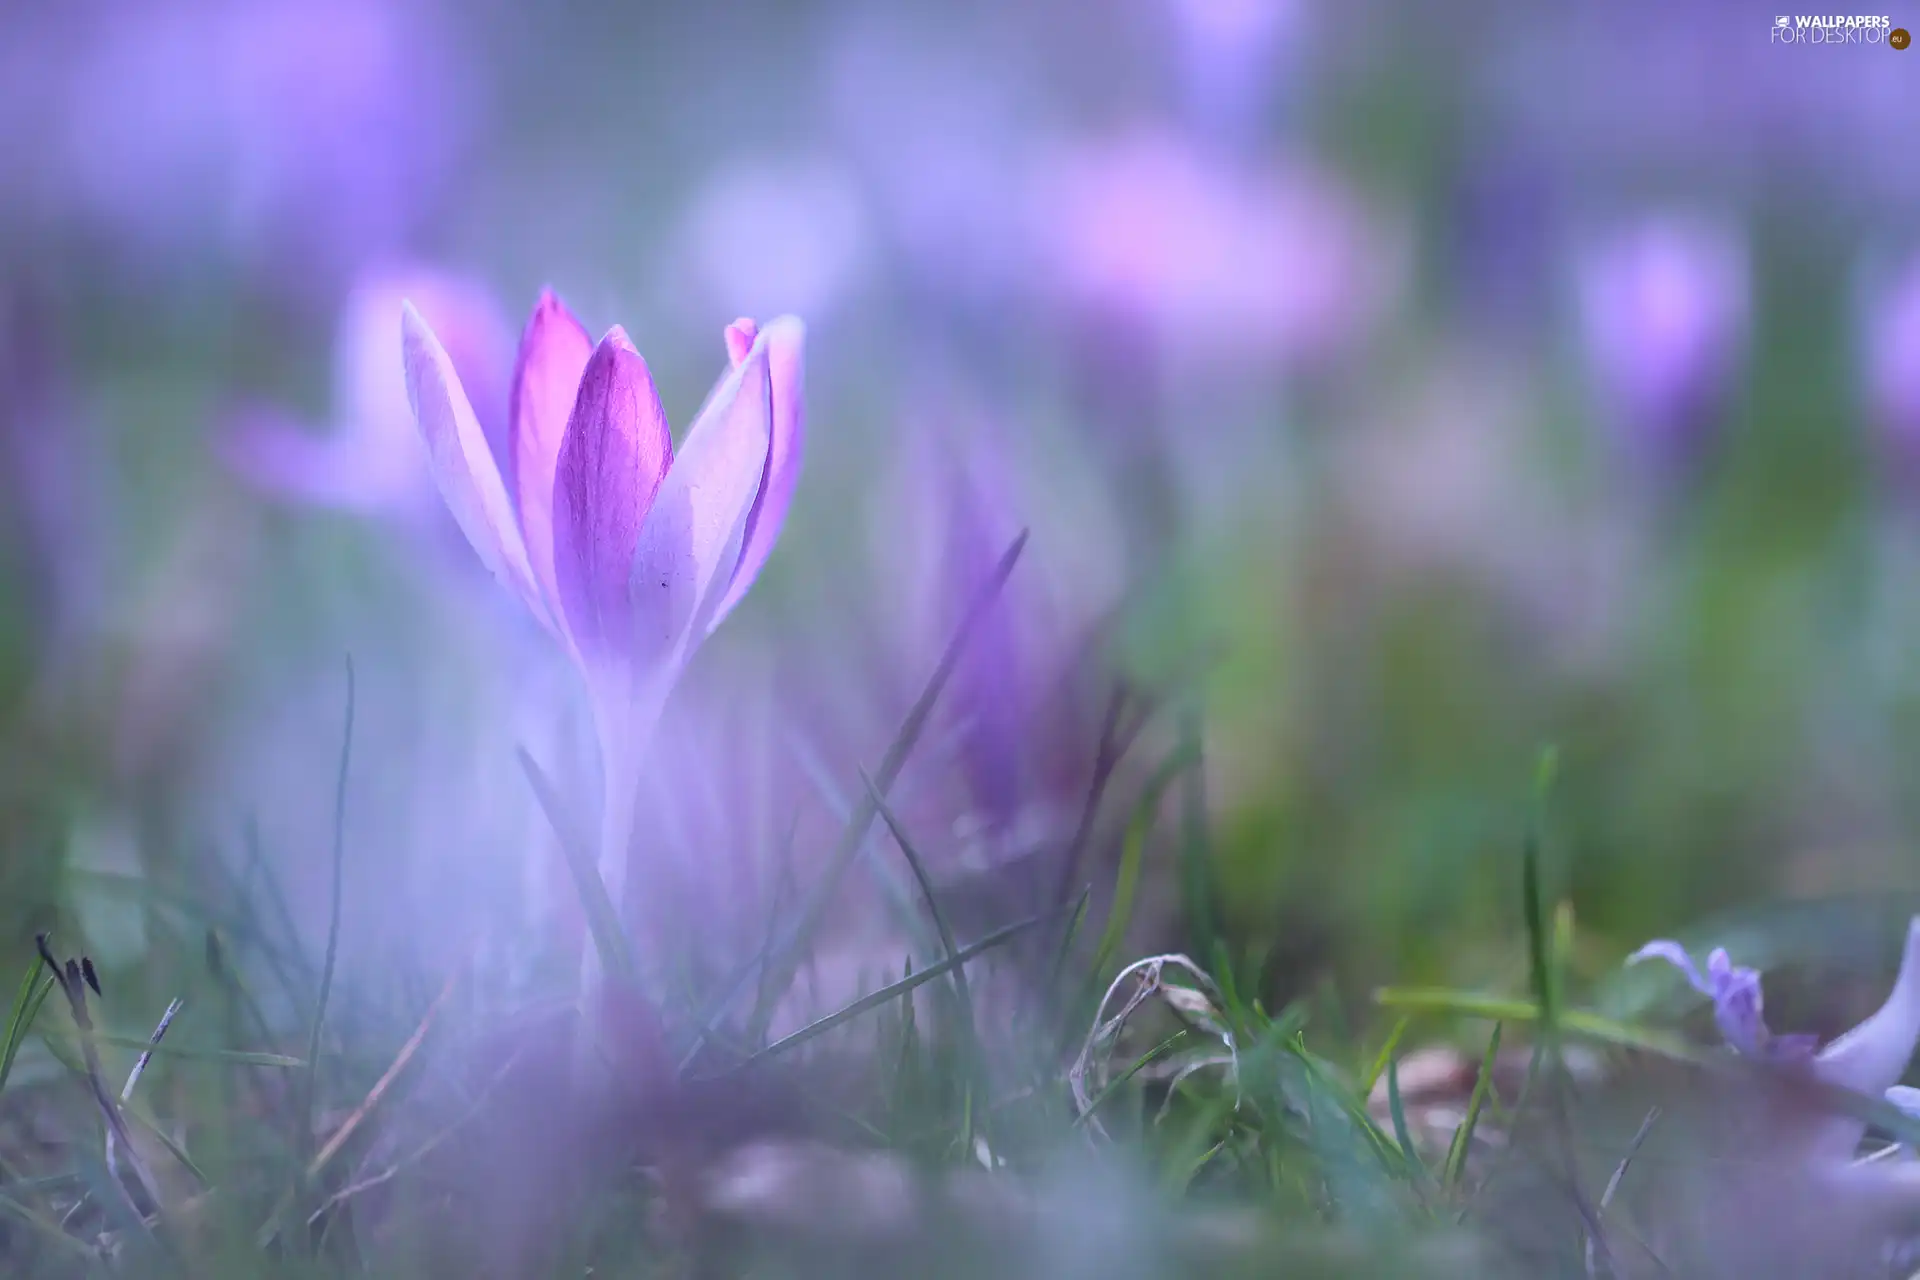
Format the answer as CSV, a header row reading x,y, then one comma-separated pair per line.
x,y
1870,1059
627,555
960,490
1663,311
937,125
1891,356
1737,1002
768,237
373,459
962,493
1280,263
1228,50
291,137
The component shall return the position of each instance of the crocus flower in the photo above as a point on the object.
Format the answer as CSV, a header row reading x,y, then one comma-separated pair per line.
x,y
372,460
961,496
1738,1008
1891,356
1279,263
961,488
628,555
1869,1059
1663,316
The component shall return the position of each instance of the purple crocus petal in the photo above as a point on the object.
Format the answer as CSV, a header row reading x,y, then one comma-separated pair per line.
x,y
1676,955
616,451
1871,1058
547,373
692,537
1738,1004
462,465
785,342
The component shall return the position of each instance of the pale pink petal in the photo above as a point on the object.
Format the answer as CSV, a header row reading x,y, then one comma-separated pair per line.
x,y
462,465
740,336
553,356
691,541
610,465
785,341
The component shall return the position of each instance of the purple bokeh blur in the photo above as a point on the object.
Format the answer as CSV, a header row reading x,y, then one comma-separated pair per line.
x,y
1446,376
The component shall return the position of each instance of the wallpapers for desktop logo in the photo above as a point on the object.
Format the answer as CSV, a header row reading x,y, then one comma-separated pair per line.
x,y
1838,29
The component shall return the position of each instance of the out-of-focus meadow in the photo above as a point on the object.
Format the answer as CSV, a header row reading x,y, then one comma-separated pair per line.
x,y
1390,395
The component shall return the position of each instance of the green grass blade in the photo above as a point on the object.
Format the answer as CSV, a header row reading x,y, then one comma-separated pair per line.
x,y
1590,1026
1132,852
1463,1136
874,1000
1540,974
1353,1159
899,895
962,994
228,1057
1196,870
33,993
947,945
1402,1135
310,1094
160,1135
1464,1004
1133,1069
1384,1057
1076,920
786,961
1540,933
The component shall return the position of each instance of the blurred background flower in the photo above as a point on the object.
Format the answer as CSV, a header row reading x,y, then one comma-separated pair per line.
x,y
1890,366
279,142
1663,309
372,460
772,237
1273,265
